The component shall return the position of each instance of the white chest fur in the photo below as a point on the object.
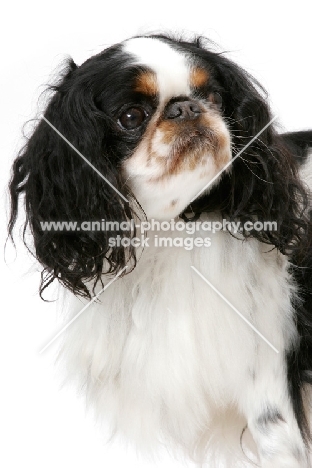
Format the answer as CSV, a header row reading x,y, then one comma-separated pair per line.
x,y
162,352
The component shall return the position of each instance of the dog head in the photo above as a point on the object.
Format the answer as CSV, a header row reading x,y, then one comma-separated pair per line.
x,y
148,129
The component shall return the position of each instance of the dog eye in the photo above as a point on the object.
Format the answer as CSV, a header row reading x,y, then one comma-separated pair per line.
x,y
216,99
132,118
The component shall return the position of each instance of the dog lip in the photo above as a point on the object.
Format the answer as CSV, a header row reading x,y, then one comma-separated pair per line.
x,y
195,143
195,135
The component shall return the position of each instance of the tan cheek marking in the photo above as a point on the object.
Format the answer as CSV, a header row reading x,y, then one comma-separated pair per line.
x,y
169,131
146,84
144,155
198,77
188,155
222,157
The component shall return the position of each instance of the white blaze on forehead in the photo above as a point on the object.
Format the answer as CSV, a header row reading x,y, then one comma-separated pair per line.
x,y
170,66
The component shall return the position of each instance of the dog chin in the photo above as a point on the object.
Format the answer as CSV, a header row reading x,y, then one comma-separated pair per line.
x,y
162,198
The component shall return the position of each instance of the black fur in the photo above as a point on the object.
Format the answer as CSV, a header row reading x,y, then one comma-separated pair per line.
x,y
58,185
299,143
269,416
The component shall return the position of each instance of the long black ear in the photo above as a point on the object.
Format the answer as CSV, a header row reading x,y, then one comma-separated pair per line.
x,y
58,185
263,182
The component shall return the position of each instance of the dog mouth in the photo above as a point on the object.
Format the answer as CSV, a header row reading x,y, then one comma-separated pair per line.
x,y
195,139
192,147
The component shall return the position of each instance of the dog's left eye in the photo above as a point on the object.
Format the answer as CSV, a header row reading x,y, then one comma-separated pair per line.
x,y
132,118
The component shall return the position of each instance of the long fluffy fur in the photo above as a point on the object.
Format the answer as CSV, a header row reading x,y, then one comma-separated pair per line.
x,y
133,354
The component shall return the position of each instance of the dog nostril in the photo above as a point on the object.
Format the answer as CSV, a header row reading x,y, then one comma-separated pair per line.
x,y
195,108
182,110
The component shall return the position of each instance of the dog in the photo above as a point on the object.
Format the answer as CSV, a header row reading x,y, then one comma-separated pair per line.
x,y
154,150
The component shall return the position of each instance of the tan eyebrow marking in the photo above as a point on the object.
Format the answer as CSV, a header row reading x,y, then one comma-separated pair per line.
x,y
198,77
146,84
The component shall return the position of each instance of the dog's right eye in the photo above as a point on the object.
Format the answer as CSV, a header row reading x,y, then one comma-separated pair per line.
x,y
132,118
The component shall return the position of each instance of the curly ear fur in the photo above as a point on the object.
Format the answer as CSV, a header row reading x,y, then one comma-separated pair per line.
x,y
59,185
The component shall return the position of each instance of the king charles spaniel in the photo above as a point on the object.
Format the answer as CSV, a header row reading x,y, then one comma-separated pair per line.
x,y
153,175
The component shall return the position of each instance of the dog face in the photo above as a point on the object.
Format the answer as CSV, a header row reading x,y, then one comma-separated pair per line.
x,y
173,114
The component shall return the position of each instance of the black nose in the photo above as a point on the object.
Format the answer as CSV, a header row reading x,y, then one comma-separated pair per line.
x,y
182,110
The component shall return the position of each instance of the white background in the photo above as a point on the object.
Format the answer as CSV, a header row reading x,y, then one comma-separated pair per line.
x,y
44,425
